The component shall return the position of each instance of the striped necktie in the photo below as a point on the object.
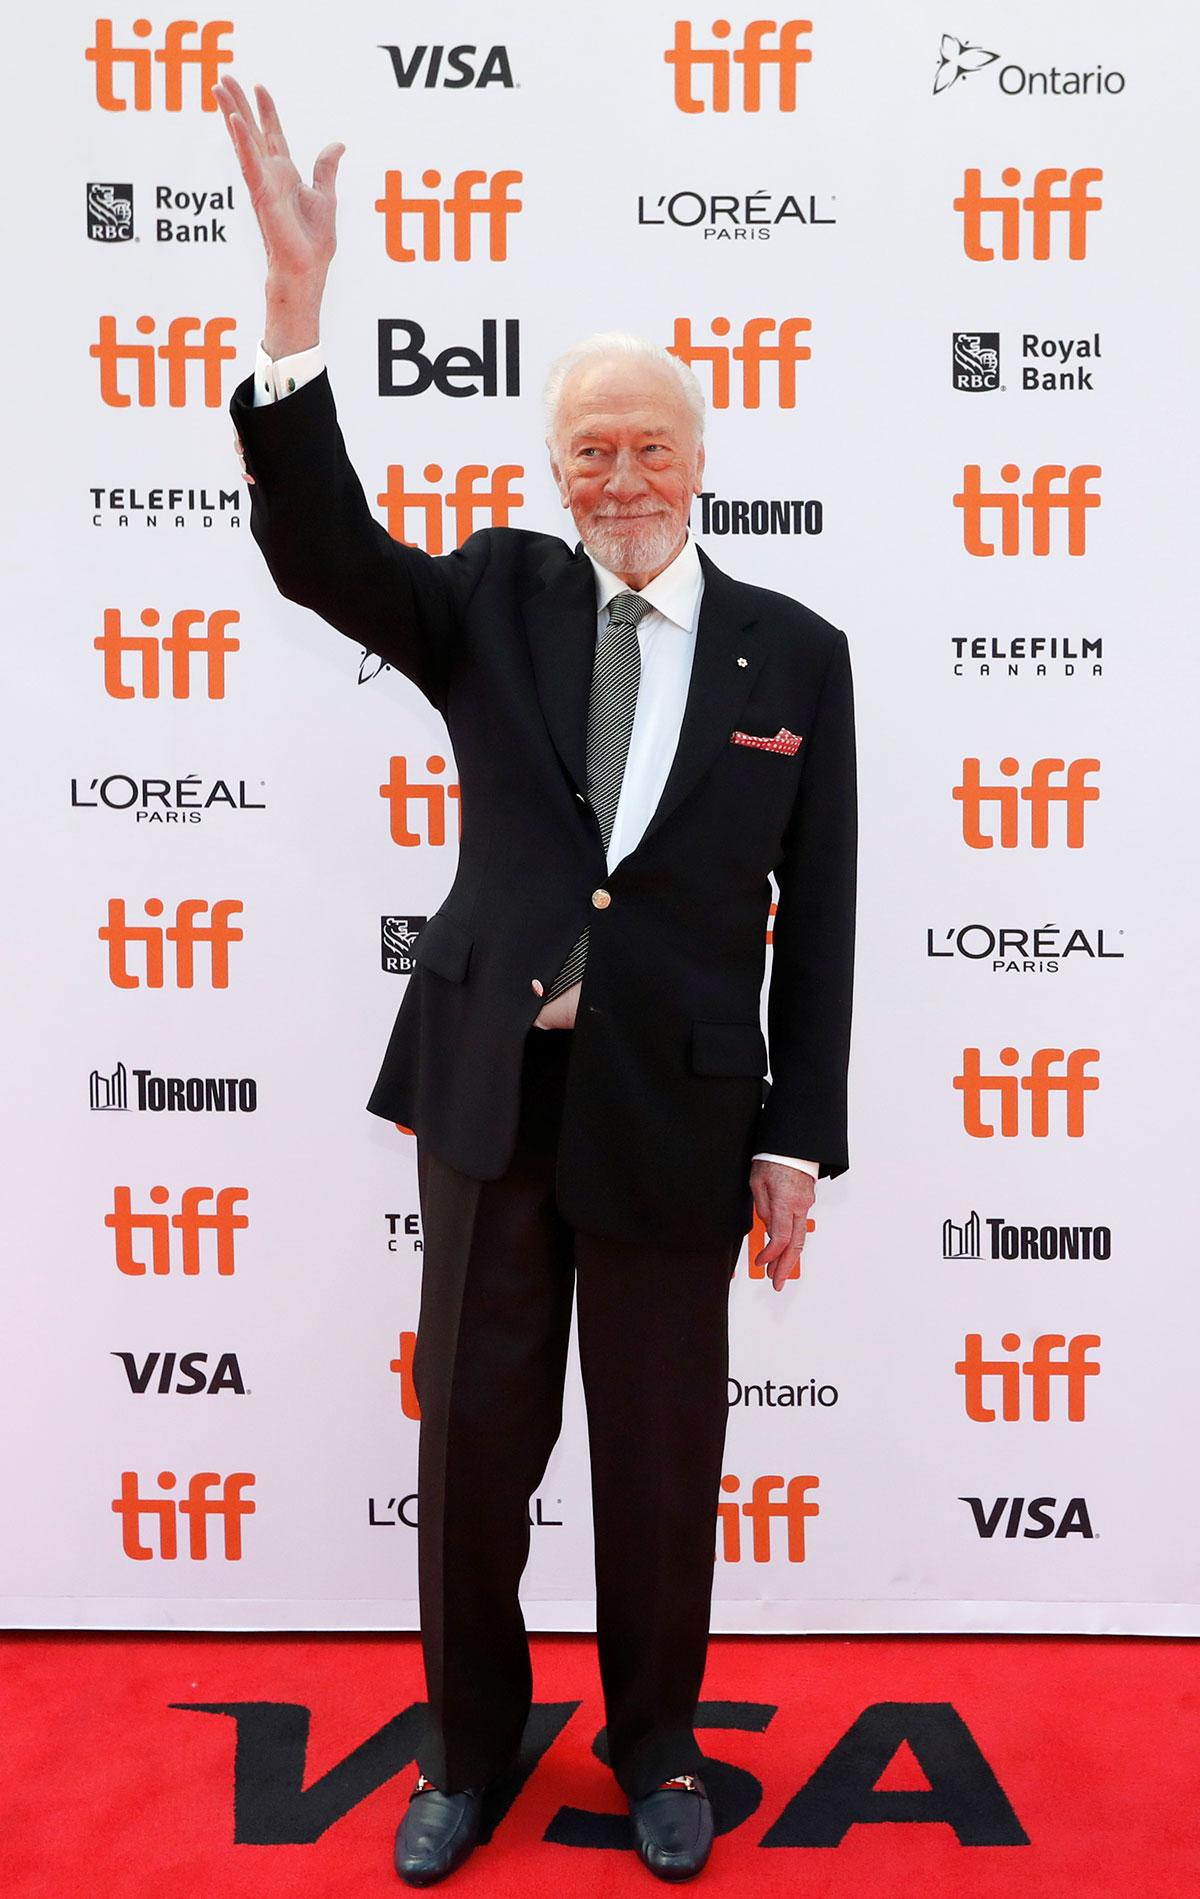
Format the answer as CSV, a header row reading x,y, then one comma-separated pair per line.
x,y
611,706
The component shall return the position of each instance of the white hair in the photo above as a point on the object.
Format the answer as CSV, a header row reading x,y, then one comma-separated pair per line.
x,y
619,343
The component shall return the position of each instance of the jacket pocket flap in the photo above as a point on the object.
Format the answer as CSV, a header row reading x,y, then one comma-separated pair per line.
x,y
444,946
728,1048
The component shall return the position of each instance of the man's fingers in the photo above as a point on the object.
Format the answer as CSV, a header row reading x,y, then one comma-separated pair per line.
x,y
247,152
272,130
325,168
243,106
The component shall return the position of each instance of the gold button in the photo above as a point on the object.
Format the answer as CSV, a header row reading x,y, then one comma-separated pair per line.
x,y
601,899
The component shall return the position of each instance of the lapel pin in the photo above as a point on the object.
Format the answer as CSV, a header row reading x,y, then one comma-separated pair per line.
x,y
741,661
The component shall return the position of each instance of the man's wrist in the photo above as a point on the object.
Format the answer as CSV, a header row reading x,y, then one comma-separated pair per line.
x,y
293,319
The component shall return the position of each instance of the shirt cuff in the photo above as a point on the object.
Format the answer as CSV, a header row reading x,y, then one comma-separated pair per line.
x,y
788,1160
279,377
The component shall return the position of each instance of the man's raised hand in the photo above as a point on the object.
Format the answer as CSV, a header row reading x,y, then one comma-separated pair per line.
x,y
296,220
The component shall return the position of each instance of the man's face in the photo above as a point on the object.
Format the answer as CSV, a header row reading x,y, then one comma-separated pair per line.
x,y
627,461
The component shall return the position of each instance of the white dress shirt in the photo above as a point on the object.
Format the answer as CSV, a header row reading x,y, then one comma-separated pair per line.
x,y
666,645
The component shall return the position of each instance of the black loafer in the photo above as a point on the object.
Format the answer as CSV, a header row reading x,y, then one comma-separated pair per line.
x,y
437,1832
673,1827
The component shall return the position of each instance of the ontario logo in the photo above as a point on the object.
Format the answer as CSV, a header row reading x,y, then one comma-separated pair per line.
x,y
958,59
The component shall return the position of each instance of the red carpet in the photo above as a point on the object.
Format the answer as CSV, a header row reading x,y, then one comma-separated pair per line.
x,y
851,1769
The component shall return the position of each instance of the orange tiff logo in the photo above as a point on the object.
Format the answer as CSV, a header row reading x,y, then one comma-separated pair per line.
x,y
474,491
1044,1080
175,56
401,793
759,50
762,1510
186,934
1042,1369
177,352
1044,791
752,352
1043,500
1046,209
202,1210
402,1365
194,635
229,1507
476,197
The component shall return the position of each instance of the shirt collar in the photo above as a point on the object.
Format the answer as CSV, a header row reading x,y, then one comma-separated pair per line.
x,y
675,593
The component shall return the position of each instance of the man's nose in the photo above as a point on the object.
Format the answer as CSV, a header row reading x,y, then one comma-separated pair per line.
x,y
627,478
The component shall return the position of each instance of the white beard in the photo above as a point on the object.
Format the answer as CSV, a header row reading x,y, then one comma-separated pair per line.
x,y
633,547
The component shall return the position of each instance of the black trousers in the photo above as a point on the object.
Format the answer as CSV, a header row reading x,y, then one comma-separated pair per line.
x,y
500,1270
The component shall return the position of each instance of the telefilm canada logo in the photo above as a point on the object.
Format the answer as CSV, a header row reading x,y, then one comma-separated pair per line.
x,y
960,60
397,941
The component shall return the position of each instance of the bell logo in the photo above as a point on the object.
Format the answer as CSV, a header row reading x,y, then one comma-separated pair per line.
x,y
1072,1082
763,1509
194,1219
752,352
400,793
475,490
1054,1361
1043,499
193,634
172,57
1047,211
230,1506
402,1365
758,50
184,934
177,352
1073,794
476,196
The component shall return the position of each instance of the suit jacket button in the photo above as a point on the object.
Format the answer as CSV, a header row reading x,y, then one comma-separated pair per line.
x,y
601,899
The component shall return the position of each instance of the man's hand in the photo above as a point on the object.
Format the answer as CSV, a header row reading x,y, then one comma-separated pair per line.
x,y
782,1198
297,221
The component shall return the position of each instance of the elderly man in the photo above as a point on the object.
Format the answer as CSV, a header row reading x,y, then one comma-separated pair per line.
x,y
641,742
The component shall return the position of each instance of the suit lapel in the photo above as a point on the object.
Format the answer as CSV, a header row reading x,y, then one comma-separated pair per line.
x,y
560,620
717,690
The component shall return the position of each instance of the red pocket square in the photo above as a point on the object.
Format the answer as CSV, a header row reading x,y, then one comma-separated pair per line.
x,y
783,741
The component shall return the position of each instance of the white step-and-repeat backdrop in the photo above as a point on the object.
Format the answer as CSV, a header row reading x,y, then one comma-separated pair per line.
x,y
936,275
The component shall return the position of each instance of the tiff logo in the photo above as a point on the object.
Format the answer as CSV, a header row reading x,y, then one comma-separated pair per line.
x,y
1043,1370
1043,499
229,1507
762,1509
1046,212
402,1365
474,490
185,934
1038,797
477,197
1073,1083
194,1219
755,54
173,57
185,642
401,793
177,352
752,352
109,1093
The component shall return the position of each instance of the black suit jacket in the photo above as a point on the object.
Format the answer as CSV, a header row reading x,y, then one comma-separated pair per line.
x,y
666,1099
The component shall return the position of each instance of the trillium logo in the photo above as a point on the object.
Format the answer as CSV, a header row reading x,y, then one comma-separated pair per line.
x,y
956,59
